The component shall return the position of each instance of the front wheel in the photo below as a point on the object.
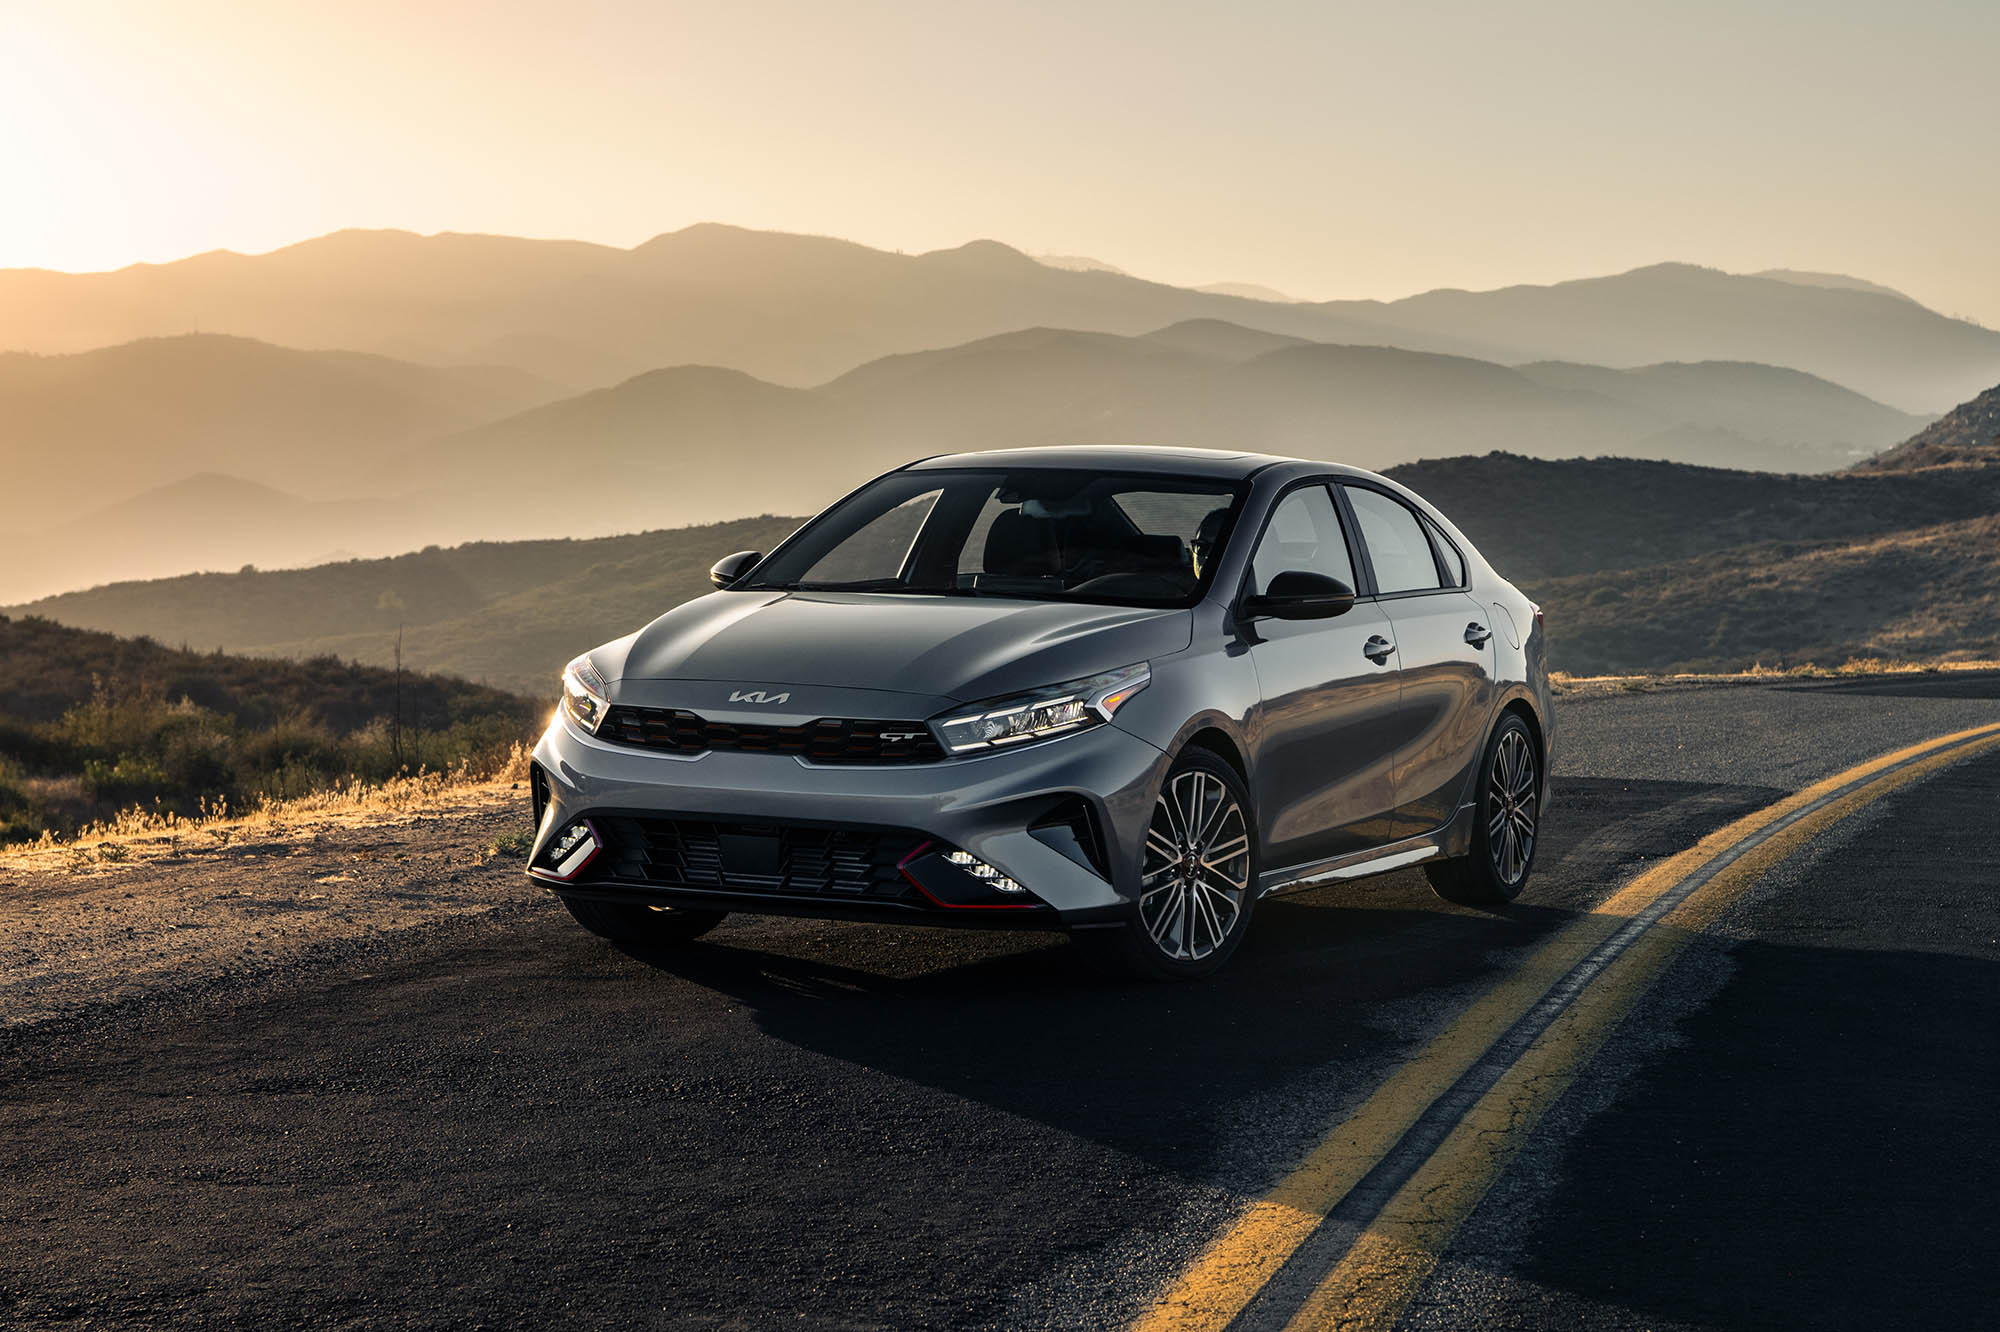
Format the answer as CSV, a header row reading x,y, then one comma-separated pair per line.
x,y
1508,823
1197,877
643,926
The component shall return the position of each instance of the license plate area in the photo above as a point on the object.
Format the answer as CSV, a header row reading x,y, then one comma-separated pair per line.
x,y
751,856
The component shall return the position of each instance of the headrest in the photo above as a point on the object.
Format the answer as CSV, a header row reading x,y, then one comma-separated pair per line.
x,y
1018,546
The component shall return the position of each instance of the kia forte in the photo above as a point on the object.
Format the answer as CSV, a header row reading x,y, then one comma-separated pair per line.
x,y
1126,693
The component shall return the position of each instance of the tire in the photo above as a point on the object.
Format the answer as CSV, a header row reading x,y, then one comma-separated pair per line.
x,y
1507,823
643,926
1178,929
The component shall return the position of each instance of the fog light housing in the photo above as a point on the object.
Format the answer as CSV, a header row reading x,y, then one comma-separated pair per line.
x,y
571,850
956,880
983,872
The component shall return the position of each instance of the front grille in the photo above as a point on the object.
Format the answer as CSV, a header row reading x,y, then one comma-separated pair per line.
x,y
829,740
796,860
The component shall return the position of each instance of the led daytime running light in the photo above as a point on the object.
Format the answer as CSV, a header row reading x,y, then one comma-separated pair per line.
x,y
1042,713
983,872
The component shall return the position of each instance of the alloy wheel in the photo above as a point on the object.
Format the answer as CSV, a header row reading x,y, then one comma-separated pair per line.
x,y
1195,878
1513,806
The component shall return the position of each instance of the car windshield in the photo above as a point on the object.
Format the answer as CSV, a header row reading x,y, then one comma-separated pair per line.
x,y
1035,533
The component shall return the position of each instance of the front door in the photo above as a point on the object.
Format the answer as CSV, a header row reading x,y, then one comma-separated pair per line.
x,y
1325,734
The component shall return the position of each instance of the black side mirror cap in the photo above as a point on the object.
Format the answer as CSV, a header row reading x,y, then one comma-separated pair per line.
x,y
732,567
1298,594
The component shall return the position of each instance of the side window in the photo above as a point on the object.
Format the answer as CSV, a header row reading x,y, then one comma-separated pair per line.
x,y
1304,533
1454,562
1396,543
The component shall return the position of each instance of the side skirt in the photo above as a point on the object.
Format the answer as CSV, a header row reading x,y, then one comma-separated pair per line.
x,y
1453,839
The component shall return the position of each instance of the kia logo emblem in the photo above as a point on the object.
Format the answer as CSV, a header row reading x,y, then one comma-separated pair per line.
x,y
756,696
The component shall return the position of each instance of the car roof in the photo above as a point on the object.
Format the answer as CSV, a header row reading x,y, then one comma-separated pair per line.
x,y
1166,460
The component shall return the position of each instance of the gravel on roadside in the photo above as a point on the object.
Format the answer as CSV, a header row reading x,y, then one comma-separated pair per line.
x,y
87,932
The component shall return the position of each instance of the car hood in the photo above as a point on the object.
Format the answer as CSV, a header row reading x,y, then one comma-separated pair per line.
x,y
949,649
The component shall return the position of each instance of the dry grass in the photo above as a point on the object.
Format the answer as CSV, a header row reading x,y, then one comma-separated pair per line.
x,y
1564,685
140,835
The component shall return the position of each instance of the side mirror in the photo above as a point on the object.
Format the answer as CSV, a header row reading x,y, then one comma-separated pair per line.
x,y
732,567
1298,595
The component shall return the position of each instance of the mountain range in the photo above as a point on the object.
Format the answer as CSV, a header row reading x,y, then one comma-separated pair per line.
x,y
799,310
301,454
106,424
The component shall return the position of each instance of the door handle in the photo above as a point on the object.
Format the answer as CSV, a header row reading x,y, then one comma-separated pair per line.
x,y
1377,649
1477,634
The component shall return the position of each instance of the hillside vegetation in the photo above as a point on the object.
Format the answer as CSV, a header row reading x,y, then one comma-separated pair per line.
x,y
91,723
1537,519
1933,593
1969,434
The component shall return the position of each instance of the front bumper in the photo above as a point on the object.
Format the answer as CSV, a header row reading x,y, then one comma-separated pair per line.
x,y
986,805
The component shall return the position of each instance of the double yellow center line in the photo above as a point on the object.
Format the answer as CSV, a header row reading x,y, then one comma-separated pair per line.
x,y
1344,1240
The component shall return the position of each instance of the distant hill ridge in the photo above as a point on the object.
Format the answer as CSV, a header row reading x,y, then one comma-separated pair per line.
x,y
152,412
799,310
1967,434
673,445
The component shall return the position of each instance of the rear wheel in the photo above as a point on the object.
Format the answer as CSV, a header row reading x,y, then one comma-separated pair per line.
x,y
1197,877
643,926
1507,823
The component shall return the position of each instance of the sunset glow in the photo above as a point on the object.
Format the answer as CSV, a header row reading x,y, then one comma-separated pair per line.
x,y
1324,150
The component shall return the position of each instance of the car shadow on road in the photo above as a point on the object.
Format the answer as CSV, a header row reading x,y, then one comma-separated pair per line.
x,y
1330,987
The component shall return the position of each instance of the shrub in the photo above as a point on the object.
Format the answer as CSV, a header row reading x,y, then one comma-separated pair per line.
x,y
91,725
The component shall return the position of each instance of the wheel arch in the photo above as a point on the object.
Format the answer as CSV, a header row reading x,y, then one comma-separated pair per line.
x,y
1223,745
1525,710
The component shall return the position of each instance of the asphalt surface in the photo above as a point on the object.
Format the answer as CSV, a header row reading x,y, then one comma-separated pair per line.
x,y
505,1122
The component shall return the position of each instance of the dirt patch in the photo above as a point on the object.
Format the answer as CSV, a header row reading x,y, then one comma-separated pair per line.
x,y
82,928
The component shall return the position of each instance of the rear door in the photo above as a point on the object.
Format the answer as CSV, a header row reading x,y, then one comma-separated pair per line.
x,y
1324,735
1445,647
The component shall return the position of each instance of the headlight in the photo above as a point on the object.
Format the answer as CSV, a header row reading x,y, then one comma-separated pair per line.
x,y
1056,710
585,697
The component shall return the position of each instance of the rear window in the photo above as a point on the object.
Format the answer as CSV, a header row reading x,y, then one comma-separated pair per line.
x,y
1398,547
1454,562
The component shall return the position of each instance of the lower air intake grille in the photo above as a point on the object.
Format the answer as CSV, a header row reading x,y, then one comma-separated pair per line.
x,y
828,740
794,860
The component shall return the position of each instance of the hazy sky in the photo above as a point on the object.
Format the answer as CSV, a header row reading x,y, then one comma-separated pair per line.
x,y
1323,148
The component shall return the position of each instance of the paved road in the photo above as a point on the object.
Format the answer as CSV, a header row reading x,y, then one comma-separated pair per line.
x,y
507,1123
